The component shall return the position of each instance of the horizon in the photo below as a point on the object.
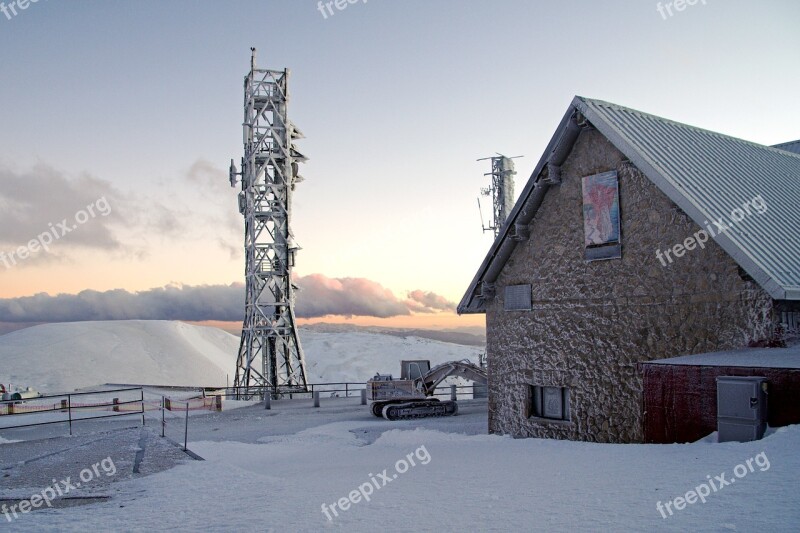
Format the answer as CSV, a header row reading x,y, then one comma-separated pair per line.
x,y
397,101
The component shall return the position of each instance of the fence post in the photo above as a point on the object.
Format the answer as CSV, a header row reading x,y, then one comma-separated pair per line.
x,y
186,429
363,396
69,413
268,400
346,391
316,398
11,408
163,420
63,405
142,404
218,403
115,401
453,393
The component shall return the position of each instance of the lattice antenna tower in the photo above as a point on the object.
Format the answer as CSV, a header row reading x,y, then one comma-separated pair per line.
x,y
501,190
270,357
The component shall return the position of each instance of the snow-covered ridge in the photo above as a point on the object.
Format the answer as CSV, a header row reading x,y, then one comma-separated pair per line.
x,y
64,357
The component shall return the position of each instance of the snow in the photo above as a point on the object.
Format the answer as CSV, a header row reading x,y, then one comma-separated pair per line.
x,y
356,357
747,357
468,483
57,358
273,470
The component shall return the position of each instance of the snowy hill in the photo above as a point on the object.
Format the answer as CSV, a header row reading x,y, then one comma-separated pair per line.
x,y
354,356
64,357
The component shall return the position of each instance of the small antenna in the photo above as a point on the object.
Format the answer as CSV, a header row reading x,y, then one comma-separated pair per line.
x,y
252,58
501,191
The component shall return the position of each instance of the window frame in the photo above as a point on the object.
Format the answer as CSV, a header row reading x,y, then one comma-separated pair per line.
x,y
538,408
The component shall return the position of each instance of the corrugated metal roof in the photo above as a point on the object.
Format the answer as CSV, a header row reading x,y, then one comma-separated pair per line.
x,y
706,174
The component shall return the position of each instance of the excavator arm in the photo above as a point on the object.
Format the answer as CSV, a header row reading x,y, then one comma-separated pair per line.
x,y
463,369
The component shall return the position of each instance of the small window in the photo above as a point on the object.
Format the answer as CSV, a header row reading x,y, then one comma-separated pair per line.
x,y
517,298
550,402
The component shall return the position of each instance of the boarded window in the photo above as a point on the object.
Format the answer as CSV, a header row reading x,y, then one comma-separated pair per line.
x,y
517,298
791,321
601,220
550,402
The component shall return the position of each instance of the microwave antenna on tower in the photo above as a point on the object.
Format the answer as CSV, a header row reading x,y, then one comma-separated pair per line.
x,y
270,359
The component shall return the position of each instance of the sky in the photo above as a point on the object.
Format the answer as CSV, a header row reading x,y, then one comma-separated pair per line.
x,y
122,116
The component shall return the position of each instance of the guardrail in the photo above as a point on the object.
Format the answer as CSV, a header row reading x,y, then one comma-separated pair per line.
x,y
350,389
33,406
247,393
137,406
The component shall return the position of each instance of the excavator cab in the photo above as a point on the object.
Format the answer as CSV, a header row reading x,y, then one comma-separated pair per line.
x,y
414,369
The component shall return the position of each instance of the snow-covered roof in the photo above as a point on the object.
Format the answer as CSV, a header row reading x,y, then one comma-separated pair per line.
x,y
747,357
706,174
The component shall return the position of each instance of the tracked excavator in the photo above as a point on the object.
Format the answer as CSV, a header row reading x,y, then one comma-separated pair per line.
x,y
411,396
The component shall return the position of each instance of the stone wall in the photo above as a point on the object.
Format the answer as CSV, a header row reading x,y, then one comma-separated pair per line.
x,y
592,322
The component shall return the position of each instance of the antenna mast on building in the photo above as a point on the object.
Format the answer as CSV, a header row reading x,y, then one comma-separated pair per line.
x,y
270,355
501,191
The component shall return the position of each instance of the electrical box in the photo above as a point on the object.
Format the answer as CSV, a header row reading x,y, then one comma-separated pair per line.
x,y
741,408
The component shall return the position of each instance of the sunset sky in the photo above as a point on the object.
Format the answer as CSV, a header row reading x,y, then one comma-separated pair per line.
x,y
137,106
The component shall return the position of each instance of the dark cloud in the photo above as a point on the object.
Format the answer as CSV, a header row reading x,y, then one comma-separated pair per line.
x,y
31,203
43,202
203,302
318,296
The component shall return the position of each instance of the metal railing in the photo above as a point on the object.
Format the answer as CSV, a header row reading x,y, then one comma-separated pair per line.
x,y
350,389
288,391
27,407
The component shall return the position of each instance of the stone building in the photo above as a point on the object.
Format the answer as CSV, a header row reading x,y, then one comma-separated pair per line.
x,y
636,238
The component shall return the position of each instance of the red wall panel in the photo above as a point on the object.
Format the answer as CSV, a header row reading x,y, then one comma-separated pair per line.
x,y
679,402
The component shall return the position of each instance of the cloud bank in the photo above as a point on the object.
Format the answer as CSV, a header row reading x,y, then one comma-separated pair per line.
x,y
318,296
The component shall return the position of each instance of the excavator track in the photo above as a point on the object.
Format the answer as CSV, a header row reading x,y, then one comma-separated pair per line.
x,y
419,409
